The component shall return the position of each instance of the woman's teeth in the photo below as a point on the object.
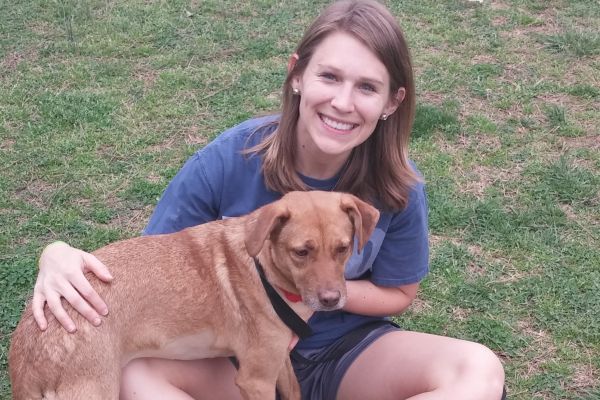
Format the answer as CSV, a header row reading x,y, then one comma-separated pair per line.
x,y
341,126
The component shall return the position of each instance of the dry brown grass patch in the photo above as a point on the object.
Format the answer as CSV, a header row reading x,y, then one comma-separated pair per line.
x,y
542,346
499,21
478,178
590,142
572,104
168,143
434,98
548,25
470,106
12,60
436,240
132,221
479,144
419,305
484,59
460,314
43,28
499,5
7,144
585,376
38,193
147,76
579,71
568,210
193,137
480,257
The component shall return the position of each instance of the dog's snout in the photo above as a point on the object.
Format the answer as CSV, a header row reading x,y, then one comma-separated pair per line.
x,y
329,298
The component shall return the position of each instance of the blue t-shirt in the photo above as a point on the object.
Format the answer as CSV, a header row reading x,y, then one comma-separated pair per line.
x,y
220,182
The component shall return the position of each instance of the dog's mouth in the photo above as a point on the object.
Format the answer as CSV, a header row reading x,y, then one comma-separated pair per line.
x,y
324,303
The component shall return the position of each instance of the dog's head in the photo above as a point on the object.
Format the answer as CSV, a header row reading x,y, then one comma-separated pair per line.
x,y
310,237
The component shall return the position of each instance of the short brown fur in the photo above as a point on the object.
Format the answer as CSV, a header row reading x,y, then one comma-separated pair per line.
x,y
196,294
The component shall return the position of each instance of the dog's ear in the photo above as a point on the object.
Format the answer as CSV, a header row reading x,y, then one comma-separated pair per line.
x,y
364,217
261,223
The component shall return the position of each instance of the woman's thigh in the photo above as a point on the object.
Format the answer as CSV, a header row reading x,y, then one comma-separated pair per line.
x,y
402,365
153,378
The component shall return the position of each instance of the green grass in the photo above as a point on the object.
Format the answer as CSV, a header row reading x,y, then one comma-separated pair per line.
x,y
575,43
102,102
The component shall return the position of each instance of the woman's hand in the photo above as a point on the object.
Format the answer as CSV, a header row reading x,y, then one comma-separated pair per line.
x,y
61,274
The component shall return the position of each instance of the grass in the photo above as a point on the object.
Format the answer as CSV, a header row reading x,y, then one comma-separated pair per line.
x,y
103,101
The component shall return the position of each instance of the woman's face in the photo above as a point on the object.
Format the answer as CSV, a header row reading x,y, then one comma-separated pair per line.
x,y
344,91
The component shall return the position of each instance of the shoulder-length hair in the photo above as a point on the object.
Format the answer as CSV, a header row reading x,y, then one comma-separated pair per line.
x,y
378,170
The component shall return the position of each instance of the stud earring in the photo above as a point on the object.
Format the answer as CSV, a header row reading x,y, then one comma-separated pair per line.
x,y
296,92
384,117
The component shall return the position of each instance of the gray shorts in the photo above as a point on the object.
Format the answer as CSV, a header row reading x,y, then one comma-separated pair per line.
x,y
320,371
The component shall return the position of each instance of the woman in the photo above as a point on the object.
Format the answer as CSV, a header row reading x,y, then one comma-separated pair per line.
x,y
348,108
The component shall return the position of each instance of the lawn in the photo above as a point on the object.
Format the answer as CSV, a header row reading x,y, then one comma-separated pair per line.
x,y
102,101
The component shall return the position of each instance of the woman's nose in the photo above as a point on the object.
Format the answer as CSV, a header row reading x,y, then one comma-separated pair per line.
x,y
343,99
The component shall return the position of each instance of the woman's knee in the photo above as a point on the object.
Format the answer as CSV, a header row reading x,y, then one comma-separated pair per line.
x,y
480,365
135,375
486,362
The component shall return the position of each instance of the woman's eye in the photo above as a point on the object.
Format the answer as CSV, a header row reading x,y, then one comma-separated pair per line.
x,y
328,76
301,253
367,87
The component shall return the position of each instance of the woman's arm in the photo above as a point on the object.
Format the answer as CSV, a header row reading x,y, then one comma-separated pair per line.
x,y
365,298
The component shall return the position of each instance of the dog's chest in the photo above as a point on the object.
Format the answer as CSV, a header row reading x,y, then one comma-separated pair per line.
x,y
193,347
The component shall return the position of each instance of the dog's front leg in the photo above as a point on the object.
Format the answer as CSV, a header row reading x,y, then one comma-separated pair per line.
x,y
261,365
287,383
256,378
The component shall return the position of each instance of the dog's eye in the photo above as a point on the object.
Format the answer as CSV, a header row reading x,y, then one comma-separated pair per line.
x,y
342,249
301,252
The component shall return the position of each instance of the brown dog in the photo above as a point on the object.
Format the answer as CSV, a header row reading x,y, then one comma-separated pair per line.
x,y
197,294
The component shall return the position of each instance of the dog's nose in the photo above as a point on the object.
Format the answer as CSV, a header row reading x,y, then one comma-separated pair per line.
x,y
329,298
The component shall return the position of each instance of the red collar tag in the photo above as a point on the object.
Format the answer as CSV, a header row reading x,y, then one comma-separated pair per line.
x,y
294,298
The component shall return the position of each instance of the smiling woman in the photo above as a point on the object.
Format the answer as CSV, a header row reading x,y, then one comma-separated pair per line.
x,y
345,91
347,111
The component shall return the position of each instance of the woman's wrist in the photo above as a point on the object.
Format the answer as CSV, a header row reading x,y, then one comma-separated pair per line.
x,y
57,243
50,249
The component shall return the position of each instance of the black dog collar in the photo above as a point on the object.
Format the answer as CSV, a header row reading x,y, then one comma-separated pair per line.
x,y
283,310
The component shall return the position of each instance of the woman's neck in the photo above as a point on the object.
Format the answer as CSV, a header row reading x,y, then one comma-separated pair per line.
x,y
319,170
319,167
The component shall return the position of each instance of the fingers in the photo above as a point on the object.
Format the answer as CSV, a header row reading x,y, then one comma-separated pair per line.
x,y
92,264
79,303
37,306
93,303
76,298
56,308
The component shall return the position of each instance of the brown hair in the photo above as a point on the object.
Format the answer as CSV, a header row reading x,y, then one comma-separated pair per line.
x,y
378,170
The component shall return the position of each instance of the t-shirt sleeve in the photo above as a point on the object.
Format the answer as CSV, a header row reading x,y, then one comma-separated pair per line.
x,y
191,198
404,254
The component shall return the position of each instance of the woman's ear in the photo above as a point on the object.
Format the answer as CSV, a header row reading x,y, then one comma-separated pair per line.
x,y
292,62
295,81
395,101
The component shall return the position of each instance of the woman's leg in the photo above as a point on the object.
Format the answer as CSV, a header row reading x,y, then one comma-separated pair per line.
x,y
151,378
419,366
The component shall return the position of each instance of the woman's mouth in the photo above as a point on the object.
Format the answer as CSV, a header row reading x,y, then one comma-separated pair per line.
x,y
337,125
